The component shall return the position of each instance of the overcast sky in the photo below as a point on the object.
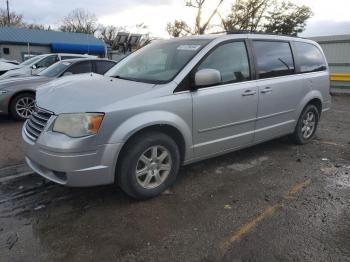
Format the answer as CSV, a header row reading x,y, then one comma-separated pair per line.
x,y
330,17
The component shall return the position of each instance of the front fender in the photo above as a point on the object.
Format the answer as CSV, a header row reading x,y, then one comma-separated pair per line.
x,y
143,120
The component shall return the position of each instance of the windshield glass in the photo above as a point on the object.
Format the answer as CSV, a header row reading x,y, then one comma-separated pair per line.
x,y
56,69
158,62
31,61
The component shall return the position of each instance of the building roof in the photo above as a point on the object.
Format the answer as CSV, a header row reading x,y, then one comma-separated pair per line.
x,y
331,39
59,41
45,37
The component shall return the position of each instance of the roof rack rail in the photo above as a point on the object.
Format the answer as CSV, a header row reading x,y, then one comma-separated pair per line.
x,y
257,32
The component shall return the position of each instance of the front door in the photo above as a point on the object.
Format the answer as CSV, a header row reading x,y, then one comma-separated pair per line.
x,y
224,114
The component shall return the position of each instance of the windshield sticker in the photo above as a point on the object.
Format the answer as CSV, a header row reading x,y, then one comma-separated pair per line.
x,y
66,63
188,47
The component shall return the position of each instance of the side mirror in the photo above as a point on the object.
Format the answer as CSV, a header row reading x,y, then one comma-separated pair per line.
x,y
34,66
207,77
67,74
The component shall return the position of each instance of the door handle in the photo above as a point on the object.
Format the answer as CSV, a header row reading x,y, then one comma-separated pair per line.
x,y
266,90
249,93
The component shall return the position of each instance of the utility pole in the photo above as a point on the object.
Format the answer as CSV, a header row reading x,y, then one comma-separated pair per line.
x,y
8,13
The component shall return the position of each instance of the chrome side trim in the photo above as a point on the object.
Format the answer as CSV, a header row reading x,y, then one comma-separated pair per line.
x,y
226,125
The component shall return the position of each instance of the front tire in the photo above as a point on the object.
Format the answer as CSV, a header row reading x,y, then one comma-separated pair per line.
x,y
22,106
307,125
149,165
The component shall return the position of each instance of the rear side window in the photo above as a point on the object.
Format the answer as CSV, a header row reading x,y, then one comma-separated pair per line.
x,y
103,66
310,58
69,57
80,68
273,59
231,60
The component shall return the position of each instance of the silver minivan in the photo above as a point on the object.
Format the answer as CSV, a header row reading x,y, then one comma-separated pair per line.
x,y
172,103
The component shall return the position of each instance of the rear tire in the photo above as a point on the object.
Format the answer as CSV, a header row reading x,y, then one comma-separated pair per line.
x,y
22,106
149,165
307,125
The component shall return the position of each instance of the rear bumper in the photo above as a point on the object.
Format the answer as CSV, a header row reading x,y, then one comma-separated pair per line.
x,y
78,169
4,102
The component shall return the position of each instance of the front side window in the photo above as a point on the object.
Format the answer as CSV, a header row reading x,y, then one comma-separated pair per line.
x,y
231,60
80,68
273,59
103,66
158,62
310,58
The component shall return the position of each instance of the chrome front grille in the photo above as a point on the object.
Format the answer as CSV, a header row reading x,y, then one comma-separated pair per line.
x,y
37,122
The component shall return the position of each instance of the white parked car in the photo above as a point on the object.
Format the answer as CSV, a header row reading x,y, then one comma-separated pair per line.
x,y
36,64
5,66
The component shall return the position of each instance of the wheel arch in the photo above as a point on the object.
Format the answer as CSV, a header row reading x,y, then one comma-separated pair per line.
x,y
160,121
17,94
314,97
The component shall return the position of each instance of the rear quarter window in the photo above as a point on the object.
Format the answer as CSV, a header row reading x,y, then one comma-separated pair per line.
x,y
310,58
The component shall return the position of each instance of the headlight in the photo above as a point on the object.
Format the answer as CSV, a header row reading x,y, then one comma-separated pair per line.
x,y
78,125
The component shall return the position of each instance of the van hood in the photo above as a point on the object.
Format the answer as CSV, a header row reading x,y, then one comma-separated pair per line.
x,y
86,93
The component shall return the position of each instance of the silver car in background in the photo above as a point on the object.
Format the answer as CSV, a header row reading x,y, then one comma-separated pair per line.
x,y
17,95
36,64
176,102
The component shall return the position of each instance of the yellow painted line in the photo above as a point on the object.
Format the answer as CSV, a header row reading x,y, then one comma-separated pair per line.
x,y
265,214
296,189
246,228
340,77
330,143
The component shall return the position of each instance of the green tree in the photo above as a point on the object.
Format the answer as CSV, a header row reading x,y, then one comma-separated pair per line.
x,y
271,16
245,15
287,18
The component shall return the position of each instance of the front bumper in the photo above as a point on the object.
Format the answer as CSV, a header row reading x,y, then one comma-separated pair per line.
x,y
78,169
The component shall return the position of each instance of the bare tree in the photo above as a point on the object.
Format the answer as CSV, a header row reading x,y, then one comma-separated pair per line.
x,y
79,21
180,28
16,20
109,35
201,27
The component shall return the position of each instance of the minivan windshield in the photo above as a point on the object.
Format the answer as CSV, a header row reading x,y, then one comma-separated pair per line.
x,y
56,69
158,62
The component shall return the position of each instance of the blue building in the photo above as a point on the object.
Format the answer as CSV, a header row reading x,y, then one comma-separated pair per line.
x,y
18,43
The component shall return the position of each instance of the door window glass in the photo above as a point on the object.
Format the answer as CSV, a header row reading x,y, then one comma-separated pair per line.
x,y
80,68
273,59
103,66
231,60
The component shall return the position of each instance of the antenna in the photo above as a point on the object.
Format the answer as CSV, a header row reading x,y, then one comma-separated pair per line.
x,y
8,13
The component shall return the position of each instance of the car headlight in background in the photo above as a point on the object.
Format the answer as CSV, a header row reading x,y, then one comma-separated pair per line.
x,y
78,125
